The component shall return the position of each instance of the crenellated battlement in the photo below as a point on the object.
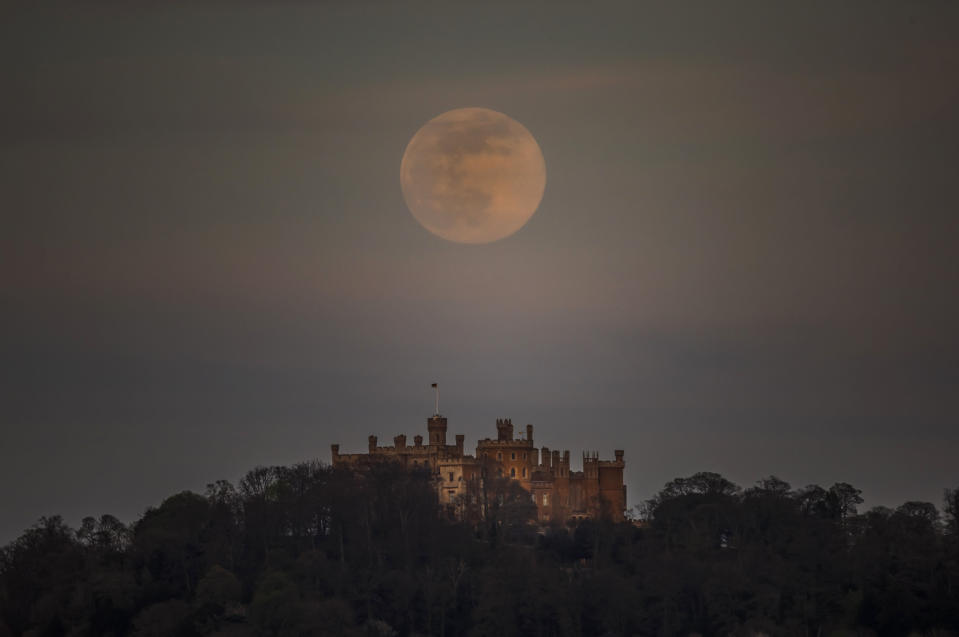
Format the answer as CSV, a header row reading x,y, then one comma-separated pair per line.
x,y
519,442
559,492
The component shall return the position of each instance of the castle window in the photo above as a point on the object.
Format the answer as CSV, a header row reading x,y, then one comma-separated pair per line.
x,y
499,456
512,472
514,456
451,476
524,455
524,472
545,499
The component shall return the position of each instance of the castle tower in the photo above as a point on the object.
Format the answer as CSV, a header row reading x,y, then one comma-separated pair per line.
x,y
504,429
436,425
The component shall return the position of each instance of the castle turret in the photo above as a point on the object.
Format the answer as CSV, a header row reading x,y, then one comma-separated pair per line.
x,y
372,444
437,430
399,441
504,429
529,434
590,465
460,439
546,458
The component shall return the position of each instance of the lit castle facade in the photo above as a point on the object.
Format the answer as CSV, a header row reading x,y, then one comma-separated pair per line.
x,y
558,492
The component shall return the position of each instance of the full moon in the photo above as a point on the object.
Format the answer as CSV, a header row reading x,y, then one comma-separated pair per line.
x,y
473,175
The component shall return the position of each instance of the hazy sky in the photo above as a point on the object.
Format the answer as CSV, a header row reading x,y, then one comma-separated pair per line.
x,y
745,259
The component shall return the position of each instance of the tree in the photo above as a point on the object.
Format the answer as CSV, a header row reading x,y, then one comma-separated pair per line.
x,y
276,609
106,535
814,501
844,498
771,486
168,541
952,511
510,511
223,531
163,619
219,588
925,512
39,573
704,483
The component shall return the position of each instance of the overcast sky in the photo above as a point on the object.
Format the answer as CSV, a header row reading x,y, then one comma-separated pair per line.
x,y
745,260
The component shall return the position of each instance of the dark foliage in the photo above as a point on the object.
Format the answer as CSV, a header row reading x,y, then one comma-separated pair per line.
x,y
306,550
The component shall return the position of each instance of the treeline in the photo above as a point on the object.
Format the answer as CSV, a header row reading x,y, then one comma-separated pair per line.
x,y
308,550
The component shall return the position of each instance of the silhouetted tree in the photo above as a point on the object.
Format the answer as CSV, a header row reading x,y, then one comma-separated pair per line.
x,y
307,550
843,499
168,544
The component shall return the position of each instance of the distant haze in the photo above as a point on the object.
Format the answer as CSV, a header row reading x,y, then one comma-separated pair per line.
x,y
745,260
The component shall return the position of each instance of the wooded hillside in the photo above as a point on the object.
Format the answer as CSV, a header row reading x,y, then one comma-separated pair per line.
x,y
306,550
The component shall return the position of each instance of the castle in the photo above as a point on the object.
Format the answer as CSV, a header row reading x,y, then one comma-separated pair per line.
x,y
558,492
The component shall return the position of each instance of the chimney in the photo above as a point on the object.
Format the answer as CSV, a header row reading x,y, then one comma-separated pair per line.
x,y
619,455
555,459
372,444
460,438
566,458
336,451
400,441
546,458
529,434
